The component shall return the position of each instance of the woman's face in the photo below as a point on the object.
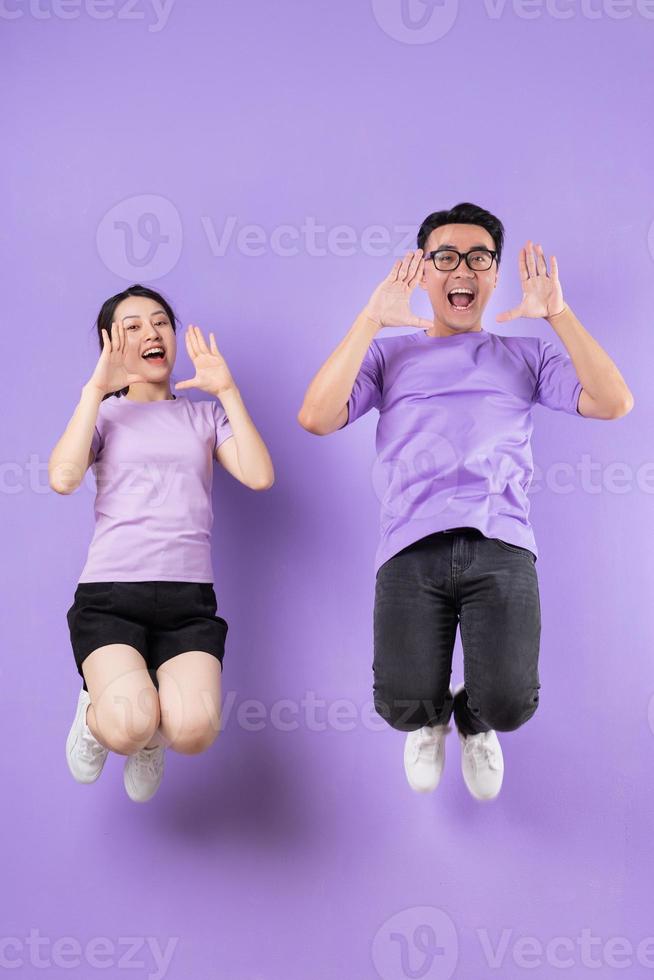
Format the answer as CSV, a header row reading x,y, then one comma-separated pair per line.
x,y
146,326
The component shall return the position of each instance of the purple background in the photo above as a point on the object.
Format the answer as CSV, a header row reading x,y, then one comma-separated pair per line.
x,y
286,855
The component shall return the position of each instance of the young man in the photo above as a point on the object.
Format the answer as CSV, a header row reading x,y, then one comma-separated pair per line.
x,y
453,468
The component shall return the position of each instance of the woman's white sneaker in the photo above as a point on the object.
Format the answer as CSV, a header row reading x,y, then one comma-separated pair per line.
x,y
86,756
424,757
482,764
143,773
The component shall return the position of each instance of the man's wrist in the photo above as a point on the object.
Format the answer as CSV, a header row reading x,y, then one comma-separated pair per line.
x,y
371,319
566,309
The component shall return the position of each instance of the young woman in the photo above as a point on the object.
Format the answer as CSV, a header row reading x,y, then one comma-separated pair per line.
x,y
145,635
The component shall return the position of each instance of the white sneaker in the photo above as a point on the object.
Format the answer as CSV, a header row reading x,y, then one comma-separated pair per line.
x,y
86,756
143,773
424,757
482,764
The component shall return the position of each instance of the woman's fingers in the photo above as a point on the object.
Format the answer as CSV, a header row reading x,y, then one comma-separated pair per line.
x,y
189,344
201,342
192,341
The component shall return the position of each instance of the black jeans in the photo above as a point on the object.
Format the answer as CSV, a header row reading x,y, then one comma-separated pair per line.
x,y
488,586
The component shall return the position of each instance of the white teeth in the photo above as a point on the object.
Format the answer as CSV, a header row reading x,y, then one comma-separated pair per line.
x,y
461,289
153,350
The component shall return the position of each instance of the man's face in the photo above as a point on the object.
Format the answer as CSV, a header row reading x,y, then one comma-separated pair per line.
x,y
459,314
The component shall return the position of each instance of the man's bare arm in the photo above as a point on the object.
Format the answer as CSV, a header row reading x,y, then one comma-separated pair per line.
x,y
324,408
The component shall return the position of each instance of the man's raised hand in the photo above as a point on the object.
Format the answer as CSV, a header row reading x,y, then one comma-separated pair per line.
x,y
541,292
389,304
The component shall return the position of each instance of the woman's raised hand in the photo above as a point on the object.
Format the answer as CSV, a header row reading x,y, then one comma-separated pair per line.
x,y
211,372
110,372
389,304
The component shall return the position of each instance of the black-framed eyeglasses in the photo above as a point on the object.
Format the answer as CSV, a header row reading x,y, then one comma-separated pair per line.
x,y
447,259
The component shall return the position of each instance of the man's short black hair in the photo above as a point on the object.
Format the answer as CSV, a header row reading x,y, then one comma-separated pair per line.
x,y
464,214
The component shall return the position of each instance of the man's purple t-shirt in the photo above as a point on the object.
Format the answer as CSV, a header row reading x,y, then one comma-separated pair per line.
x,y
454,430
154,472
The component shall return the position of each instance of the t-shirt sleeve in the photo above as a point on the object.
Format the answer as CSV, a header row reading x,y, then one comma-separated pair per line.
x,y
96,441
221,423
367,388
557,385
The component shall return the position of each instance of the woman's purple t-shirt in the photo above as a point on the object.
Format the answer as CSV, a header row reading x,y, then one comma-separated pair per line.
x,y
454,430
153,468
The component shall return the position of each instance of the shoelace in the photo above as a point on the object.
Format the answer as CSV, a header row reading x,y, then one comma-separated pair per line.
x,y
428,745
148,762
89,748
482,750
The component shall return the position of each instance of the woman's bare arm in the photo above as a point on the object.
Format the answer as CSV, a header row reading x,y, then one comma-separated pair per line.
x,y
72,455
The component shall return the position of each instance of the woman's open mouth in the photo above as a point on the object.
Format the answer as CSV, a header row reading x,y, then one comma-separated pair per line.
x,y
461,299
157,354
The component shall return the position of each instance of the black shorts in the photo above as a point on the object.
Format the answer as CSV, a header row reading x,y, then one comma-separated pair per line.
x,y
159,619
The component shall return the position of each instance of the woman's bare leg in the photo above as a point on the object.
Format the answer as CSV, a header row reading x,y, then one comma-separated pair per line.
x,y
124,710
189,700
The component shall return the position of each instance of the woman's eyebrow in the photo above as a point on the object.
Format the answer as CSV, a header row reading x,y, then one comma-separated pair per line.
x,y
136,316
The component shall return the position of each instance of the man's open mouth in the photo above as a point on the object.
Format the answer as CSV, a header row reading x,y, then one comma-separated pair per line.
x,y
154,354
461,298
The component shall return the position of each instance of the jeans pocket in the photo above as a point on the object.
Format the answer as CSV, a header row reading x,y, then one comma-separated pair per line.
x,y
516,549
94,589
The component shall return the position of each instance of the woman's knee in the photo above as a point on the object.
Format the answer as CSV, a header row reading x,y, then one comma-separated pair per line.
x,y
125,724
193,735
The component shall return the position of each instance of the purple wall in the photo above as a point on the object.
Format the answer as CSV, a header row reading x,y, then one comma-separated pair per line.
x,y
333,128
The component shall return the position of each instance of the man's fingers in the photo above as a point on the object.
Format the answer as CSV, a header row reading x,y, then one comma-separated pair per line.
x,y
392,275
508,315
554,266
531,262
417,275
404,268
418,321
414,264
541,264
213,344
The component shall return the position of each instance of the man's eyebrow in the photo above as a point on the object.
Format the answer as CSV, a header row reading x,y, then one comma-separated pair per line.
x,y
136,316
450,245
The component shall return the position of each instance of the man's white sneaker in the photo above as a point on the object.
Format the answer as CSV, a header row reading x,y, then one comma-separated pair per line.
x,y
143,773
424,757
86,756
482,764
